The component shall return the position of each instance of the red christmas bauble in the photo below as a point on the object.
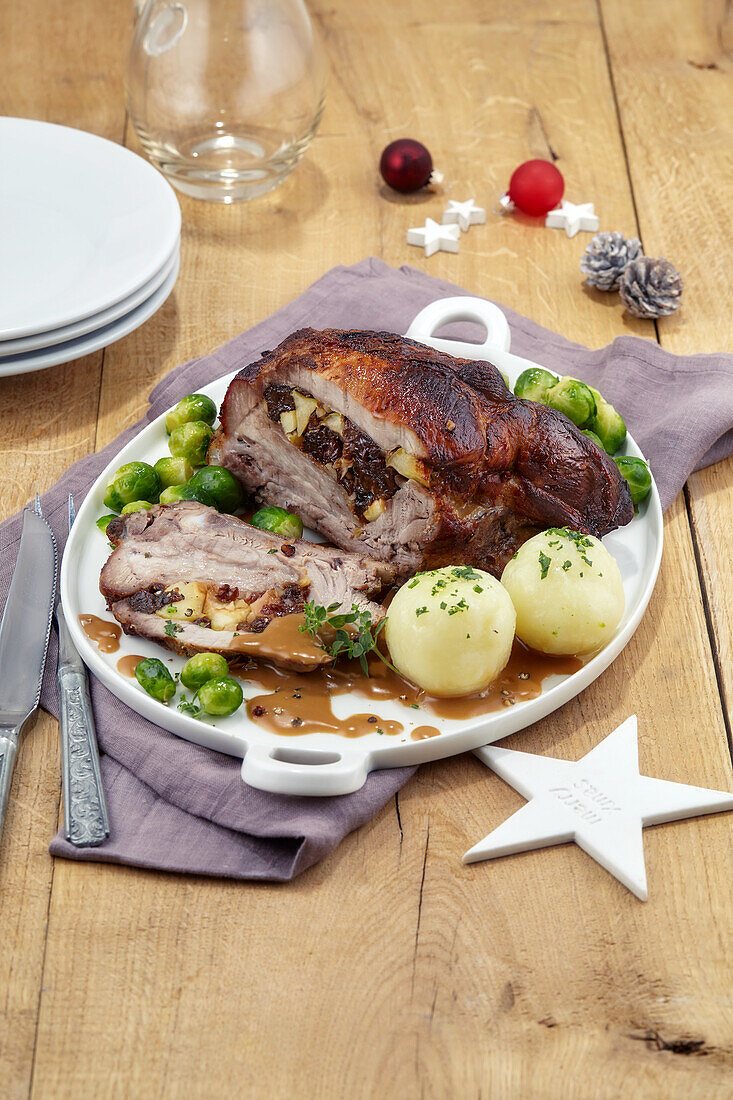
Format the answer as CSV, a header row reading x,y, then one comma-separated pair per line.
x,y
536,187
406,165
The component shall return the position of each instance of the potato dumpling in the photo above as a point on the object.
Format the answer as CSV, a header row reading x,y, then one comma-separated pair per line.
x,y
567,592
450,631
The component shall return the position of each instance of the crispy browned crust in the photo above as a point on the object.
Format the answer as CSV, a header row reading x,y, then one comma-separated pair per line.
x,y
481,441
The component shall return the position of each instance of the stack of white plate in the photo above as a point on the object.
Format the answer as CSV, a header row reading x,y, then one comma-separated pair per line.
x,y
89,242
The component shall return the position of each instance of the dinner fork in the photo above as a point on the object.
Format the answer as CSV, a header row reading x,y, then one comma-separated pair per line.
x,y
86,823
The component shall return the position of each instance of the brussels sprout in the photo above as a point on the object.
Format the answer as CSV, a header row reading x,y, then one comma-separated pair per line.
x,y
637,474
191,441
196,406
534,384
136,506
133,481
172,494
202,667
104,520
152,675
573,398
220,696
586,431
186,492
221,484
608,425
173,471
279,521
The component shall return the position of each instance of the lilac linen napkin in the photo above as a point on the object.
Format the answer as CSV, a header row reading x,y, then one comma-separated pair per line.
x,y
178,807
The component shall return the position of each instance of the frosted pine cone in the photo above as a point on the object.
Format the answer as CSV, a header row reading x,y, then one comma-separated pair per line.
x,y
651,287
605,258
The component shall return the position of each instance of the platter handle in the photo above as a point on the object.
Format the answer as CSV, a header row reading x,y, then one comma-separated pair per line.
x,y
304,771
494,348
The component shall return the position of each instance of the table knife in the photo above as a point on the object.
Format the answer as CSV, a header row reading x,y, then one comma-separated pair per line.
x,y
86,823
24,634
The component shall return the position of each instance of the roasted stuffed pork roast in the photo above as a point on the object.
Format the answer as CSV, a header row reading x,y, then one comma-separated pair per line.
x,y
192,579
406,454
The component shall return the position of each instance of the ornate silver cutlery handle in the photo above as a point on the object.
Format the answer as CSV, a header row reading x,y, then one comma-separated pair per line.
x,y
85,810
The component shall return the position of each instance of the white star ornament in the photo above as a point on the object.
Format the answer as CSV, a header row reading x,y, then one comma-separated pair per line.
x,y
572,216
463,214
434,238
600,801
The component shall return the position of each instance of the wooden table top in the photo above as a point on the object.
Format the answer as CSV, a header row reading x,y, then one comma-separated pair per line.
x,y
390,969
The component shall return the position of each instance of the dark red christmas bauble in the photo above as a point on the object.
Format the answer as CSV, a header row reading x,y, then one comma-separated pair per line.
x,y
536,187
406,165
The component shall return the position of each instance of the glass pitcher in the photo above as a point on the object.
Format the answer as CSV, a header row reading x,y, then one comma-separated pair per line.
x,y
225,95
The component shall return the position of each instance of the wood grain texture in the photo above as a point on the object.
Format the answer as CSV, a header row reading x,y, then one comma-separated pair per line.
x,y
391,969
49,422
685,170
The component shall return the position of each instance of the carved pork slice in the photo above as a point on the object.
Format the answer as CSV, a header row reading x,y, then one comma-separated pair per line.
x,y
393,449
192,579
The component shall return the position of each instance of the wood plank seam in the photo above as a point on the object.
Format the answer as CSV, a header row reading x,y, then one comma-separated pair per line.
x,y
709,620
622,133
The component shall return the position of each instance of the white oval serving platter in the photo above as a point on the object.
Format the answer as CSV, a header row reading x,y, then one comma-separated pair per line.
x,y
324,763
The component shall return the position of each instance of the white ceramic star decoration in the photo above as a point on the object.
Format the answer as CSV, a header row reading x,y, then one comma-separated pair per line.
x,y
434,238
572,216
463,214
601,802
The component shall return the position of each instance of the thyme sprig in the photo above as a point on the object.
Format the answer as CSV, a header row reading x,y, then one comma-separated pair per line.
x,y
357,642
189,706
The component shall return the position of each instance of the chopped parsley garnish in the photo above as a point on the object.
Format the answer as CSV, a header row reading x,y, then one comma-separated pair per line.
x,y
566,565
272,550
413,582
477,588
356,643
421,611
466,572
171,628
580,540
545,564
414,706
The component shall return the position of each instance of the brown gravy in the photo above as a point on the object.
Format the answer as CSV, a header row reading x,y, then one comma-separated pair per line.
x,y
282,640
127,665
104,634
421,733
296,703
